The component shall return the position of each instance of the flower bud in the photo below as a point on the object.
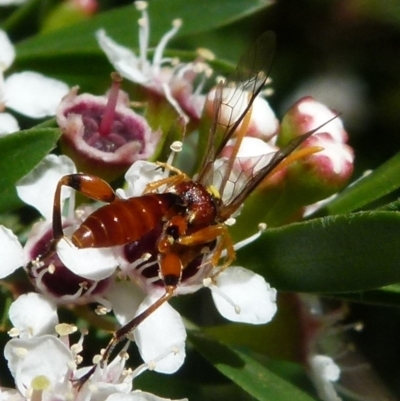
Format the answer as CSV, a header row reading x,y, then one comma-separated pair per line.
x,y
262,122
103,135
69,12
306,115
321,174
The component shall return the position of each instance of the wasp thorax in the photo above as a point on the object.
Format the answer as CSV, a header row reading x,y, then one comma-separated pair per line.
x,y
200,204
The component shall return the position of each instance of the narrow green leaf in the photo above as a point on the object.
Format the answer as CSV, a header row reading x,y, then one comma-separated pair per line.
x,y
19,154
344,253
382,181
245,371
388,296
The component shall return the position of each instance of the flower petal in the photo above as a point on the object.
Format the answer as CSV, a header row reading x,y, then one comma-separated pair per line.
x,y
8,124
255,299
33,94
125,299
137,395
90,263
139,175
11,252
38,187
7,52
122,58
161,337
44,356
33,315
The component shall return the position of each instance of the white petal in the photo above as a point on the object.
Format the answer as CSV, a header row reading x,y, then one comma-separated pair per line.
x,y
38,187
137,395
33,94
90,263
125,299
7,52
7,394
33,315
161,337
122,58
11,252
139,175
253,296
264,123
8,124
44,356
319,114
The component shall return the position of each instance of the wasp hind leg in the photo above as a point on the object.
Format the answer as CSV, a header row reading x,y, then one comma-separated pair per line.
x,y
123,332
89,185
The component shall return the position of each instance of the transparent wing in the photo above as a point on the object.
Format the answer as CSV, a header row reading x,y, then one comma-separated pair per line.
x,y
234,97
253,171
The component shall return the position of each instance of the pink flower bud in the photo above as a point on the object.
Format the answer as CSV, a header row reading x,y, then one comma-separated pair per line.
x,y
320,174
102,134
306,115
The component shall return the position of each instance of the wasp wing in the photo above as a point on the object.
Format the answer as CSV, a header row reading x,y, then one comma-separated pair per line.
x,y
248,178
234,98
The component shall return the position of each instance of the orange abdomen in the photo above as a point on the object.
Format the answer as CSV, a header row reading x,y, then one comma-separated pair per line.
x,y
123,221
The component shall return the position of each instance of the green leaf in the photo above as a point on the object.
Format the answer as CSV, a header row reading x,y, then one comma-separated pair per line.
x,y
121,24
19,154
344,253
388,296
76,46
382,181
249,374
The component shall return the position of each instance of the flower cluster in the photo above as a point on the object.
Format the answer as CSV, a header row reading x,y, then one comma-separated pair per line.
x,y
103,137
44,361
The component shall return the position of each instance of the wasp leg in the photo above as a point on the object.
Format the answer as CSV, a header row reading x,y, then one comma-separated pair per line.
x,y
169,182
209,234
124,331
89,185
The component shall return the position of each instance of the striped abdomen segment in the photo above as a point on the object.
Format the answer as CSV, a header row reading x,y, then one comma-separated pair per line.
x,y
123,221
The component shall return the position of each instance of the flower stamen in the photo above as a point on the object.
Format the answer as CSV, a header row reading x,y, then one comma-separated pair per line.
x,y
207,282
261,228
158,53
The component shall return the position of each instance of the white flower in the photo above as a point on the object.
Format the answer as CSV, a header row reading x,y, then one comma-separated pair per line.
x,y
44,368
174,81
40,364
28,92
